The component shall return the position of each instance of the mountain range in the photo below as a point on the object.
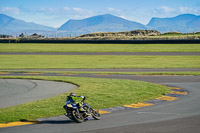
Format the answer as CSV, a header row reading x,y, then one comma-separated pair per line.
x,y
12,26
182,23
102,23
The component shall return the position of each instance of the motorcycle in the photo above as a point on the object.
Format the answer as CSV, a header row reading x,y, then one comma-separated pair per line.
x,y
73,112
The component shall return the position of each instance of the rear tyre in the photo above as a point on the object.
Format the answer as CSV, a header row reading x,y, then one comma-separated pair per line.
x,y
77,117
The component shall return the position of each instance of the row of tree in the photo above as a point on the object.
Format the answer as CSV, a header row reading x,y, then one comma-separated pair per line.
x,y
4,36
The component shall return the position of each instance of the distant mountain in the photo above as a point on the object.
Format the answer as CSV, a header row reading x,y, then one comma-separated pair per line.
x,y
101,23
10,25
183,23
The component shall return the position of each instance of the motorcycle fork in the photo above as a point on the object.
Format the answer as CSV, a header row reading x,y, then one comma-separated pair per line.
x,y
77,110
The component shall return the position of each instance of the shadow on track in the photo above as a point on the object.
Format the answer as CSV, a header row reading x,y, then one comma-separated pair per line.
x,y
50,121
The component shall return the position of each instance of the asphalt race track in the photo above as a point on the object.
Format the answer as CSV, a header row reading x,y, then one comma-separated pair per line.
x,y
18,91
179,116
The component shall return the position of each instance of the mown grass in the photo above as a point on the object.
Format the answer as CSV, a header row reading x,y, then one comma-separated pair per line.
x,y
35,47
100,93
107,61
187,73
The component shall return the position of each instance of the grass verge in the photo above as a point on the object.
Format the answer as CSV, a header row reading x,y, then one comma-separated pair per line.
x,y
100,93
193,73
104,61
45,47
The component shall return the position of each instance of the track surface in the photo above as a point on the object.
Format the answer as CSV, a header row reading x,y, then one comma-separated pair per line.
x,y
184,112
18,91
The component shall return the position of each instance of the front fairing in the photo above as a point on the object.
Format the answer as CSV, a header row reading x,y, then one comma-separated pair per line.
x,y
72,105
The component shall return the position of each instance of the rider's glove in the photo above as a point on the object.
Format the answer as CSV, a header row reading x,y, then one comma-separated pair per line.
x,y
82,96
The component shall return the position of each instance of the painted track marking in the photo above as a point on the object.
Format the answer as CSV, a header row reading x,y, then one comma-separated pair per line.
x,y
177,92
167,98
104,112
12,124
139,105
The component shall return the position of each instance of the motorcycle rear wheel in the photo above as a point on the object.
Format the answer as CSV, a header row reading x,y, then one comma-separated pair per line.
x,y
77,117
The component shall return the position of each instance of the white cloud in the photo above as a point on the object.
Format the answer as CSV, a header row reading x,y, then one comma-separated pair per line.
x,y
165,9
187,10
66,8
110,9
76,10
12,10
176,11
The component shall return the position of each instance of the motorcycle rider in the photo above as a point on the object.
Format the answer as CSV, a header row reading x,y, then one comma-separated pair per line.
x,y
72,98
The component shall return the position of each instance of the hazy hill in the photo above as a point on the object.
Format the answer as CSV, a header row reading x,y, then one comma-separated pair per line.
x,y
10,25
182,23
101,23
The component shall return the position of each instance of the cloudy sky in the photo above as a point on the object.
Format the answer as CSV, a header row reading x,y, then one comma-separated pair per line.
x,y
56,12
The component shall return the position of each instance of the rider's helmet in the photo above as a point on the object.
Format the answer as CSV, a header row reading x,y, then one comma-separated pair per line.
x,y
72,94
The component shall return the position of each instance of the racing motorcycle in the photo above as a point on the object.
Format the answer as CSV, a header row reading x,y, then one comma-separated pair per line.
x,y
73,112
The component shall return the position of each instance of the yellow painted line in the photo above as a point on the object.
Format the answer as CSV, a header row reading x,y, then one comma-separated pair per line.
x,y
139,105
176,88
33,73
18,124
4,72
167,98
178,92
104,112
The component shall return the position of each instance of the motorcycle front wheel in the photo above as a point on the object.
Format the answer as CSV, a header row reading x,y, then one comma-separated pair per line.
x,y
77,117
96,115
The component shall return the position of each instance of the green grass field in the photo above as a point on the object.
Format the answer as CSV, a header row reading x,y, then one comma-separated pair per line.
x,y
31,47
107,61
100,93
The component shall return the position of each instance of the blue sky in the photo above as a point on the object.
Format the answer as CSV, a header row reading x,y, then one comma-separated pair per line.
x,y
54,13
